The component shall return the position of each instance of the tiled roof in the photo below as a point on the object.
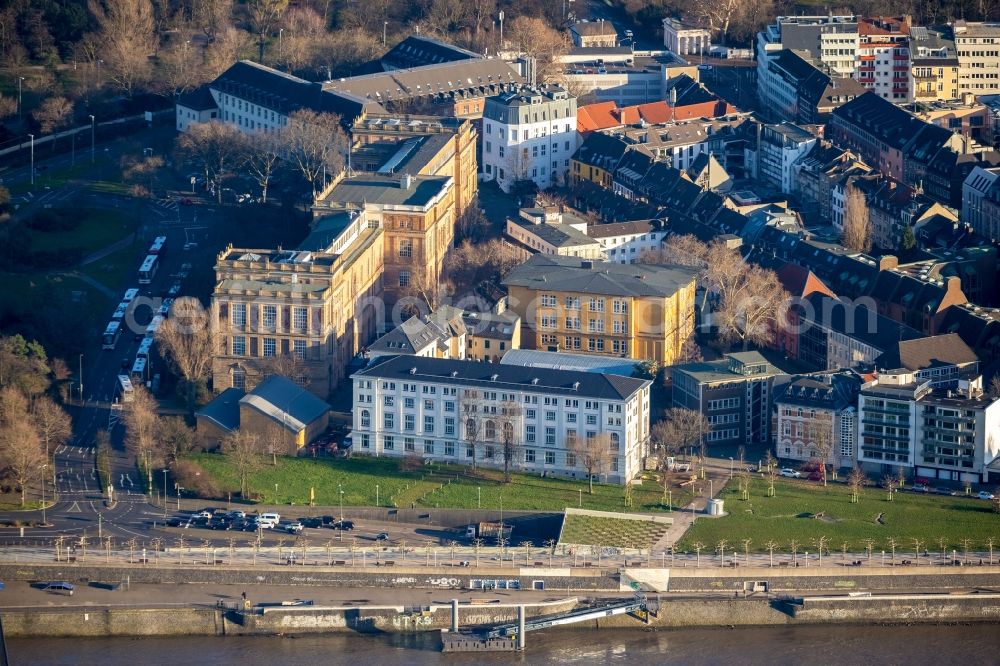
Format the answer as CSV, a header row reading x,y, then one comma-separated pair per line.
x,y
599,363
475,78
592,117
927,352
199,99
503,377
419,50
417,333
386,190
601,150
856,321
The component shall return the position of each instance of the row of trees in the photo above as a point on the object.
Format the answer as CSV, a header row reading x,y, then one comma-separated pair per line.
x,y
32,422
312,143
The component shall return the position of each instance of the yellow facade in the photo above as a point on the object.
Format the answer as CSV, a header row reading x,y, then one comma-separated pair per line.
x,y
310,317
455,158
647,327
587,172
934,83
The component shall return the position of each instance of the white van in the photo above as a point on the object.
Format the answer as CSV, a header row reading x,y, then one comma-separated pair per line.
x,y
268,520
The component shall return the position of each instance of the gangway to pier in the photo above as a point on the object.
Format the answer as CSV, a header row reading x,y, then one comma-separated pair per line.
x,y
580,615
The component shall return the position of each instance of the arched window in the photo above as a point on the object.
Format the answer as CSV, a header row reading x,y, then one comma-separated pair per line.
x,y
366,418
491,430
470,429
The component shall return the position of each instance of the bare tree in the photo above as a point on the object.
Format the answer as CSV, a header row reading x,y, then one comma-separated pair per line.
x,y
21,453
593,454
262,156
216,146
264,16
141,430
316,144
771,545
750,311
471,223
720,15
243,449
8,107
889,483
176,438
126,40
687,427
509,435
534,37
187,340
821,429
211,16
856,481
678,250
472,424
52,423
857,231
54,114
426,288
770,472
994,389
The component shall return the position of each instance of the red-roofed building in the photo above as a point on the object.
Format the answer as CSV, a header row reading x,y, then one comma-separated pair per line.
x,y
799,282
594,117
686,99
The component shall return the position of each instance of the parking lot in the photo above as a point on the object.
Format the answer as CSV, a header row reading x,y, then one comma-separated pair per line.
x,y
221,525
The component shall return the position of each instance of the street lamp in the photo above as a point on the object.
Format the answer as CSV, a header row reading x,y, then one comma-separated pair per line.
x,y
730,468
92,126
280,31
276,493
32,137
501,30
341,504
44,479
376,495
164,493
20,79
385,26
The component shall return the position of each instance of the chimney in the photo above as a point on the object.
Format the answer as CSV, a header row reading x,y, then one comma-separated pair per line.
x,y
405,181
673,97
887,262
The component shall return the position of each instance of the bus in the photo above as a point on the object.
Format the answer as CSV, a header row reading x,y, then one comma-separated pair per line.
x,y
111,334
130,295
148,269
138,373
125,391
145,348
158,245
154,325
121,310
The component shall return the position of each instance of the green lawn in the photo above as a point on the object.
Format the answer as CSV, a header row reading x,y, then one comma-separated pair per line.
x,y
98,228
442,486
792,514
115,269
613,532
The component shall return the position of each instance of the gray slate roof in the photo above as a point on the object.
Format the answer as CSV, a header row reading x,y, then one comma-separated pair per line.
x,y
224,409
555,273
286,402
386,190
508,377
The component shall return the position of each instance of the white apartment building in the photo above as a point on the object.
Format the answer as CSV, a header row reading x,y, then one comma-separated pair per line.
x,y
686,39
933,433
832,40
624,242
978,49
778,147
529,135
459,411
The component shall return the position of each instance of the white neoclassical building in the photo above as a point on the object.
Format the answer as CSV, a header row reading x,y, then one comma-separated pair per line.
x,y
685,39
459,411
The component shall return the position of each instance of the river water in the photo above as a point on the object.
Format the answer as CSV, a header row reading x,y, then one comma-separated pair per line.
x,y
965,645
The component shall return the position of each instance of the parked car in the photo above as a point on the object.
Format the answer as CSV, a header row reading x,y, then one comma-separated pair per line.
x,y
704,68
165,306
790,473
311,521
984,495
190,245
205,513
59,587
237,514
382,536
294,528
920,488
346,525
185,270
